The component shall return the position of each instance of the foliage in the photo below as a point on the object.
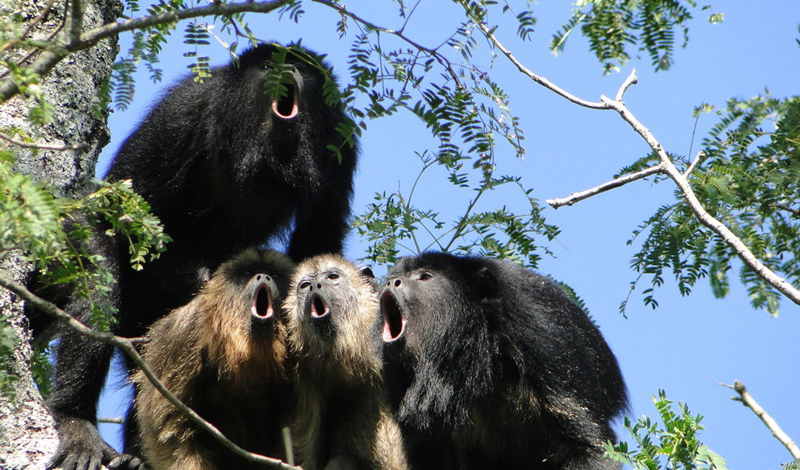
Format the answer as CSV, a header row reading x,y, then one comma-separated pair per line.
x,y
671,445
53,233
613,27
748,179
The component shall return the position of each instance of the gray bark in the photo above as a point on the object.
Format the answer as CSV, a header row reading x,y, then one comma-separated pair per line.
x,y
27,436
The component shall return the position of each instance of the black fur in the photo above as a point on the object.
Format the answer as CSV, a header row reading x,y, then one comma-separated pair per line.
x,y
224,168
489,365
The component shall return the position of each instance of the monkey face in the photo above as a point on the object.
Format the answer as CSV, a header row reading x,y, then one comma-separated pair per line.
x,y
331,307
253,283
437,347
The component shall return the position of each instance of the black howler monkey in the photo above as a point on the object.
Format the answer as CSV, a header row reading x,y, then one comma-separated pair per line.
x,y
225,167
224,355
341,420
489,365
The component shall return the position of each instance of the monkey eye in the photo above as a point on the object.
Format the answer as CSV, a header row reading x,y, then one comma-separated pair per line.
x,y
425,276
303,284
265,66
333,276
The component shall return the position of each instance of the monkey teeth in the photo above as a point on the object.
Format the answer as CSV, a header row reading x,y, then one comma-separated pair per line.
x,y
394,324
319,308
262,305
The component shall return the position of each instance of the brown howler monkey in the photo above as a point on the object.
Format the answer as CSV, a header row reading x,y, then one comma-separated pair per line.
x,y
341,420
224,355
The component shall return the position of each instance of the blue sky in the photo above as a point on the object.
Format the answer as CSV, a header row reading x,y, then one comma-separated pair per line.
x,y
689,344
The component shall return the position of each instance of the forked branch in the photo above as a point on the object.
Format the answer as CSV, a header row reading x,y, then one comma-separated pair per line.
x,y
665,166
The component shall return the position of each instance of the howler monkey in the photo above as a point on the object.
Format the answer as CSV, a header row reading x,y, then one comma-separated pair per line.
x,y
225,167
341,419
489,365
224,355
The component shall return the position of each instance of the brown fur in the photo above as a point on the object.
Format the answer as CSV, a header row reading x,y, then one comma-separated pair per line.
x,y
227,365
341,420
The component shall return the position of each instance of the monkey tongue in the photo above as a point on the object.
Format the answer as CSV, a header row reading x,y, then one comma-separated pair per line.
x,y
394,323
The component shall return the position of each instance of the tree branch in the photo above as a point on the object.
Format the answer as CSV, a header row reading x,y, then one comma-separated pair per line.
x,y
33,145
700,212
748,401
536,78
669,168
57,52
127,346
615,183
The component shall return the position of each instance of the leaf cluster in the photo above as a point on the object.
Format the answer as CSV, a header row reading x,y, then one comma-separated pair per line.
x,y
748,179
616,27
671,445
54,234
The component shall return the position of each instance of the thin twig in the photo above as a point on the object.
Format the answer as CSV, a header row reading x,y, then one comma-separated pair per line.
x,y
57,52
127,346
697,160
772,425
40,146
537,78
615,183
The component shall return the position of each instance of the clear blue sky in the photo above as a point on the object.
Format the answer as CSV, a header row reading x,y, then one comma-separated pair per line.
x,y
689,344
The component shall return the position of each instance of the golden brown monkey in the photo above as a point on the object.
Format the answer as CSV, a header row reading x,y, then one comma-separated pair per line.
x,y
341,420
223,354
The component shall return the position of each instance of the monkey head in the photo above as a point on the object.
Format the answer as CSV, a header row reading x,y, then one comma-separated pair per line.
x,y
437,348
332,306
241,304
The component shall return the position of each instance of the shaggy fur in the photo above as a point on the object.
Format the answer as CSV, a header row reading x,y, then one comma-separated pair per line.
x,y
223,354
488,365
341,419
225,167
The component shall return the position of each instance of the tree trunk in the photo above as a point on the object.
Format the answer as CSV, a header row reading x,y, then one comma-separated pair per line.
x,y
27,436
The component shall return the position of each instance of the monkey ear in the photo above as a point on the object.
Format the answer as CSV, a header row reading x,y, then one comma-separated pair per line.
x,y
367,271
486,284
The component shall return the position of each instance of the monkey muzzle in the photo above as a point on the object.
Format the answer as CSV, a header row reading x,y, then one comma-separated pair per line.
x,y
288,105
394,323
262,308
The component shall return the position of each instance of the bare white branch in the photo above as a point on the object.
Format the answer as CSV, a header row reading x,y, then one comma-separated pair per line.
x,y
536,78
772,425
669,168
615,183
697,160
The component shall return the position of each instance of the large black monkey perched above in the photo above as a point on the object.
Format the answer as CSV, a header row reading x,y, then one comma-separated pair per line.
x,y
489,365
225,167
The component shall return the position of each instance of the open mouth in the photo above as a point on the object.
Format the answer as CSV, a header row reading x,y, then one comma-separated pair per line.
x,y
394,324
288,106
319,308
262,305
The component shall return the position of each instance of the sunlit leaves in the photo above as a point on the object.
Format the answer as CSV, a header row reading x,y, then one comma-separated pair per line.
x,y
749,179
54,233
617,28
672,444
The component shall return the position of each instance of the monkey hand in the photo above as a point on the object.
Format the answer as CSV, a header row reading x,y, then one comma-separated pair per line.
x,y
80,447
